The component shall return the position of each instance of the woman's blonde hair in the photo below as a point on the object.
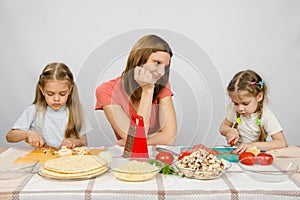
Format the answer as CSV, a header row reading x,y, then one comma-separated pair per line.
x,y
251,82
59,71
138,56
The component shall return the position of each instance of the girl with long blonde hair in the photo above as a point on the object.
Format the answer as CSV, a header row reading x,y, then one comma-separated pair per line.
x,y
56,117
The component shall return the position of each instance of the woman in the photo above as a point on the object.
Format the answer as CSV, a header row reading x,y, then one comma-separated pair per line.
x,y
143,89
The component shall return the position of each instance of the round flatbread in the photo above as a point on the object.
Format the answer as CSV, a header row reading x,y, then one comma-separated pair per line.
x,y
74,164
53,174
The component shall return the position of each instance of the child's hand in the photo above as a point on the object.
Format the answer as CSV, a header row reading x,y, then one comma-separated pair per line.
x,y
232,137
34,139
69,143
242,147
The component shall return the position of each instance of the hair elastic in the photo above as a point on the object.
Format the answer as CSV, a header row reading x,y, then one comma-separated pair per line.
x,y
230,82
261,83
258,122
238,120
252,83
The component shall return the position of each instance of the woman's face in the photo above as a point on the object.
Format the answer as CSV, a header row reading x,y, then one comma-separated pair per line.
x,y
156,64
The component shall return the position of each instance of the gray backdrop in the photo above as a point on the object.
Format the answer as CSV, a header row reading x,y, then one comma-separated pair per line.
x,y
211,40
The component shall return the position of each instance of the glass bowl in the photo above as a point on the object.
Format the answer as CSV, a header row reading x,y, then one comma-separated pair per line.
x,y
135,169
279,170
203,174
16,167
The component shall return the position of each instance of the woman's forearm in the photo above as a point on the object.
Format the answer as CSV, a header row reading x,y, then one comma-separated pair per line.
x,y
145,106
161,138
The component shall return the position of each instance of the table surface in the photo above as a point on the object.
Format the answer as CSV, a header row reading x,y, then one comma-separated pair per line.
x,y
3,149
234,184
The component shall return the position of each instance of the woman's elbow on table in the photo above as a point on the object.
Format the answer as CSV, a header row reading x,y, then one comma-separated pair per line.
x,y
162,138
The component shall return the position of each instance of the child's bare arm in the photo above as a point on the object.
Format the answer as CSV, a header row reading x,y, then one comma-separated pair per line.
x,y
31,136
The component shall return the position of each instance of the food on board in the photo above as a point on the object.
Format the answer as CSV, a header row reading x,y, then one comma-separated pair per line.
x,y
64,151
201,146
81,150
215,152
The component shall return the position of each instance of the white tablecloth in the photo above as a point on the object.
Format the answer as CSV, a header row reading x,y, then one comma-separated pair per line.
x,y
235,184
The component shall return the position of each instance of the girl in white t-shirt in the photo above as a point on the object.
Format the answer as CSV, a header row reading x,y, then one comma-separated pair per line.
x,y
56,117
248,121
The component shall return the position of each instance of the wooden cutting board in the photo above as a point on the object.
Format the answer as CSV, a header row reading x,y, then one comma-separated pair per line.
x,y
42,155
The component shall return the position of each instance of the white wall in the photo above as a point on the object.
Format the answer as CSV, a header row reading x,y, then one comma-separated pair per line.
x,y
212,40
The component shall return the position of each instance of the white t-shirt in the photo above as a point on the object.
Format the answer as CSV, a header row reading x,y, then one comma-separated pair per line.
x,y
54,126
248,129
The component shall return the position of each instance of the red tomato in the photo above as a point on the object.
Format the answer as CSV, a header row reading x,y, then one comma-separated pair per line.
x,y
183,154
201,146
264,159
247,158
233,152
165,157
214,152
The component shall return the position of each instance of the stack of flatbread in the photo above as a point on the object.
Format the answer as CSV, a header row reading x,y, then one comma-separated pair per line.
x,y
73,167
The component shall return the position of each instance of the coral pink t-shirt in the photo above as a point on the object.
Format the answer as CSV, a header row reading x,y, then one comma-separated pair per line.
x,y
112,93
